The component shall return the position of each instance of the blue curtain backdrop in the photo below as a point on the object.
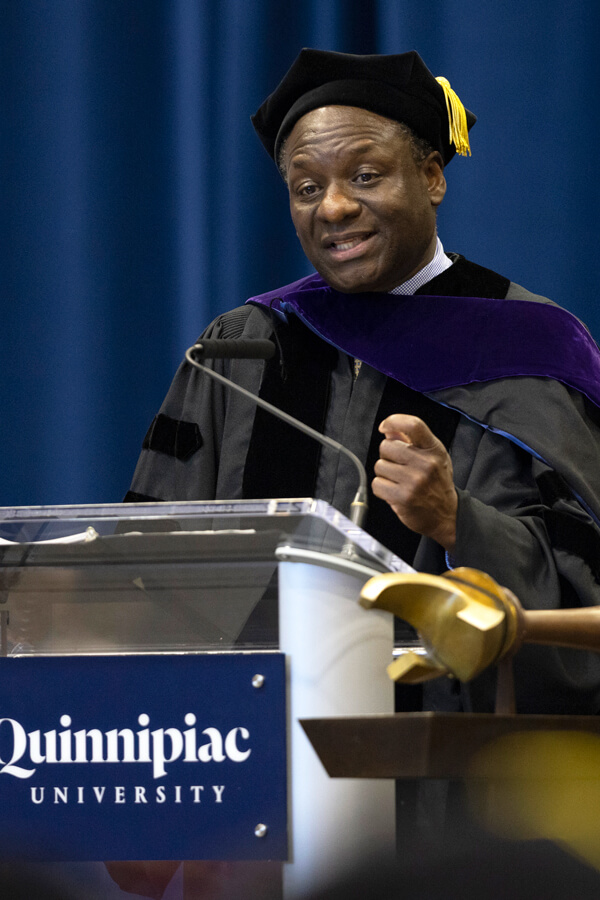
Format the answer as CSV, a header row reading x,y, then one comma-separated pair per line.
x,y
137,202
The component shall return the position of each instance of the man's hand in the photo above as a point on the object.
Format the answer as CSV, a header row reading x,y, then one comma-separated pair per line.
x,y
414,475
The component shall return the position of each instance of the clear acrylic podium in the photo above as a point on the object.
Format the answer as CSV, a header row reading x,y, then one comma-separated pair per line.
x,y
243,577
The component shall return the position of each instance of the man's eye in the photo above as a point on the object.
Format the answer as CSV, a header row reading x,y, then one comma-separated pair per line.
x,y
307,190
365,177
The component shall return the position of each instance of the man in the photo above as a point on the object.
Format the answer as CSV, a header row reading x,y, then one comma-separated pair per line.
x,y
467,397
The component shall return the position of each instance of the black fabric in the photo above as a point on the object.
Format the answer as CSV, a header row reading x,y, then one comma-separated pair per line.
x,y
553,487
281,461
575,536
232,324
134,497
565,530
173,437
398,86
381,521
466,279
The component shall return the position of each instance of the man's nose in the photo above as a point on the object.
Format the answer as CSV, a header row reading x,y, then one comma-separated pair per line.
x,y
338,203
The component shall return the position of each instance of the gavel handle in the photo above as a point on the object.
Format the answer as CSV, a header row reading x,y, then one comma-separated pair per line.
x,y
576,628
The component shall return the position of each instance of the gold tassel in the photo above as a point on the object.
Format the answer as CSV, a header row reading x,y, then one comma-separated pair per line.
x,y
457,119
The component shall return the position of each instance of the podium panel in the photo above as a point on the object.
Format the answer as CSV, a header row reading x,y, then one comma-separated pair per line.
x,y
195,584
145,756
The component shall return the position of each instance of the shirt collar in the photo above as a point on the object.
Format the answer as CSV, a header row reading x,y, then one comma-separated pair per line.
x,y
438,264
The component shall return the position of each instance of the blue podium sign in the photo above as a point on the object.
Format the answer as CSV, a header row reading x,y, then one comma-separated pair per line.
x,y
143,757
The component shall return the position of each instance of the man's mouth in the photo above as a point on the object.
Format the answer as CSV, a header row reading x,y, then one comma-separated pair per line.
x,y
344,245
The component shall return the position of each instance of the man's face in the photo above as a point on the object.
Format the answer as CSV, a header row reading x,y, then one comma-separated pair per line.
x,y
363,209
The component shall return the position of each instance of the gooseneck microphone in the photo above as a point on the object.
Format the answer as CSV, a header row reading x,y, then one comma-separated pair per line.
x,y
262,349
234,349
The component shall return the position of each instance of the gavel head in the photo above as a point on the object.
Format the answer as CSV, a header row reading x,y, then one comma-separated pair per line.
x,y
465,620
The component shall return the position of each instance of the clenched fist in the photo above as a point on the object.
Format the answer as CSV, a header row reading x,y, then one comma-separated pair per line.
x,y
414,475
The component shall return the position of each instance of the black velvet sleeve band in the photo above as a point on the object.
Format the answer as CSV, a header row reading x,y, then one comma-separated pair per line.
x,y
173,437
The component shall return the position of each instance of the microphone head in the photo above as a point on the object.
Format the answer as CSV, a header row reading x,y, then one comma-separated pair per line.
x,y
233,349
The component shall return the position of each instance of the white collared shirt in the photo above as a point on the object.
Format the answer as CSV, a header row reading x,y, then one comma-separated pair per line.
x,y
438,264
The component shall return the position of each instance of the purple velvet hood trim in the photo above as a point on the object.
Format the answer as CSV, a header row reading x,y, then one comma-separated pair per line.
x,y
430,343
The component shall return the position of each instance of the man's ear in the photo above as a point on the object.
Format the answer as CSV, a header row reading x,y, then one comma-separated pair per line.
x,y
433,169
